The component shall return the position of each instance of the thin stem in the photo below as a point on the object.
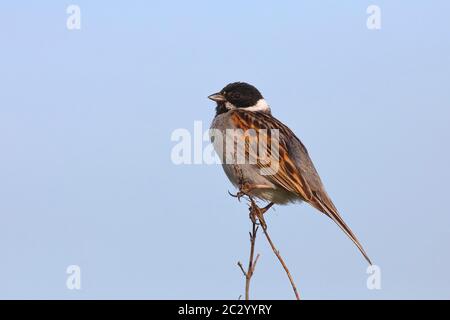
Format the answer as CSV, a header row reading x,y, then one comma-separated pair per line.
x,y
277,253
256,211
251,262
257,214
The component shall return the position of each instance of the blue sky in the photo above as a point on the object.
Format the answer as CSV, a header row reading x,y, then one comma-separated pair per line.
x,y
86,176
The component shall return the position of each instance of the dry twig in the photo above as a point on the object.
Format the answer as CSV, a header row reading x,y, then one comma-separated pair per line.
x,y
251,262
257,213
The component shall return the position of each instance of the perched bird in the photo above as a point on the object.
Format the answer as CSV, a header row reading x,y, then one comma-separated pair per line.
x,y
241,106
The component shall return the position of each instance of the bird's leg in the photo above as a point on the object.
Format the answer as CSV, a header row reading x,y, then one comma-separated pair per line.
x,y
256,213
266,208
245,189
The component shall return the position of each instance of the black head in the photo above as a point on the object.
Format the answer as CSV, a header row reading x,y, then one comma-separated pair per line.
x,y
236,95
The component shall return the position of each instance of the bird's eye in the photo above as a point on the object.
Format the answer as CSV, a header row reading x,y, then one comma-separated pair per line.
x,y
236,96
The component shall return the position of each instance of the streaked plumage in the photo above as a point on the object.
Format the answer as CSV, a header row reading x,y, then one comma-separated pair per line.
x,y
241,106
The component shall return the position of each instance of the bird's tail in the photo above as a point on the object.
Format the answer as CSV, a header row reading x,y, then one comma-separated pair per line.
x,y
327,207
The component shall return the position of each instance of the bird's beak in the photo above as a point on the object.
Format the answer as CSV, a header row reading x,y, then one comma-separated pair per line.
x,y
218,97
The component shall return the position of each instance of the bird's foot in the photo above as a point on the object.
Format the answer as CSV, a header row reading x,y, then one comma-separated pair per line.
x,y
244,190
238,195
257,213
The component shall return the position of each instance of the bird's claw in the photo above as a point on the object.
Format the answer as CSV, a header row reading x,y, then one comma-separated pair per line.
x,y
231,194
256,214
238,195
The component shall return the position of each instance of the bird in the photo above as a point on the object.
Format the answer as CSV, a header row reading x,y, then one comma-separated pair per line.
x,y
240,107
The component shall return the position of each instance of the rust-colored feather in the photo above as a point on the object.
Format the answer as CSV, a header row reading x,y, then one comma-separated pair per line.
x,y
301,179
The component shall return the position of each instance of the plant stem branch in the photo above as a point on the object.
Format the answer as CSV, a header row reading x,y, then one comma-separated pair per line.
x,y
256,211
251,262
277,253
257,215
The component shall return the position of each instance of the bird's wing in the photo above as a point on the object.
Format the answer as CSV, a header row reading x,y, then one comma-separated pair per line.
x,y
296,172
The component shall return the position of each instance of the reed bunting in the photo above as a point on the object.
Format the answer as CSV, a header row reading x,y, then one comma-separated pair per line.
x,y
242,108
